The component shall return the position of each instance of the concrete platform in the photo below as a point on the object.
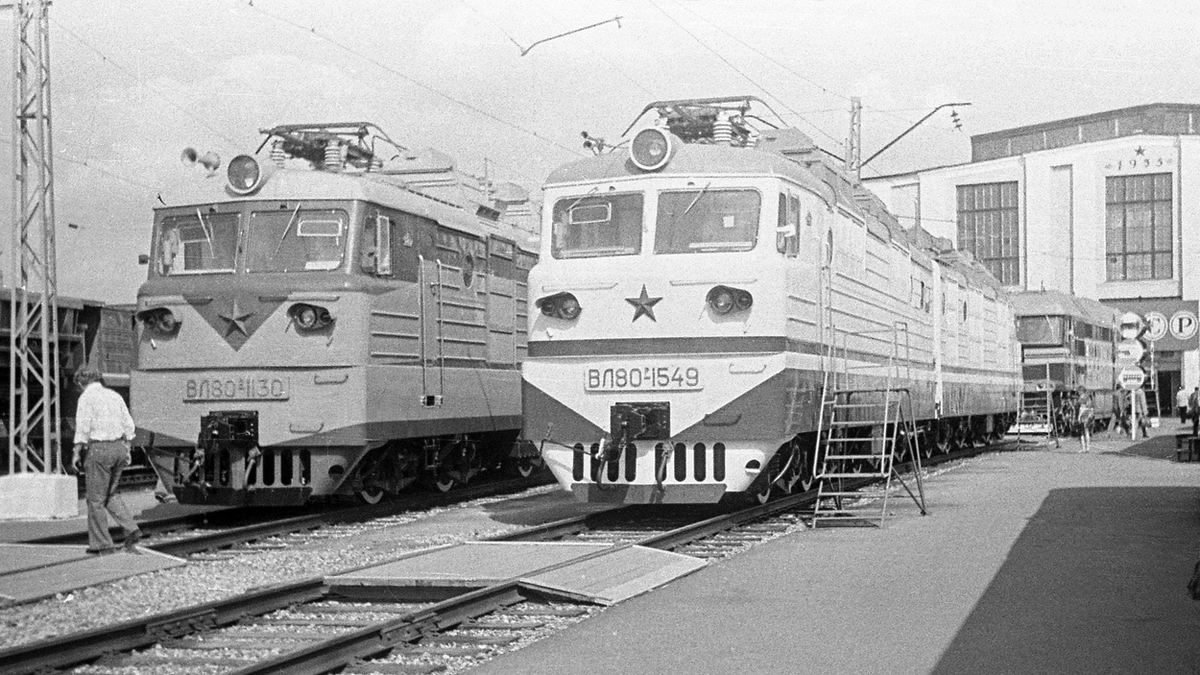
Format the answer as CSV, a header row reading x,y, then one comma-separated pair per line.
x,y
40,496
142,504
600,573
31,571
1035,561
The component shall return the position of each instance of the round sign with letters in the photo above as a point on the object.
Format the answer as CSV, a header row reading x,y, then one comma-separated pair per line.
x,y
1183,324
1156,326
1131,378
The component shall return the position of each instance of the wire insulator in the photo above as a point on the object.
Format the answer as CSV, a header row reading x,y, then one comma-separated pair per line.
x,y
723,131
278,156
333,157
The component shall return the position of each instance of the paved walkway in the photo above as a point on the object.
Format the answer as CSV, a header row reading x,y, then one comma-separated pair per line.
x,y
1034,561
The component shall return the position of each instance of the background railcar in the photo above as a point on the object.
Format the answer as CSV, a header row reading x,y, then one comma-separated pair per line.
x,y
700,294
330,323
1068,350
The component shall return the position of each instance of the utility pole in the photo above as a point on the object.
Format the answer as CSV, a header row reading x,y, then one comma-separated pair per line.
x,y
34,414
854,140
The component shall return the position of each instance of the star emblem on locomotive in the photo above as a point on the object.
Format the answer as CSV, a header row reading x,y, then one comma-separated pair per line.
x,y
236,319
643,305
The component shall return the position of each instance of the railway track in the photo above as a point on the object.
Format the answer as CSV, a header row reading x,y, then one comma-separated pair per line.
x,y
312,627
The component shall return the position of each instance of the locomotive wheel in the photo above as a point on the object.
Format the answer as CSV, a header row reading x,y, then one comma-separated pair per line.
x,y
443,483
524,467
372,494
763,494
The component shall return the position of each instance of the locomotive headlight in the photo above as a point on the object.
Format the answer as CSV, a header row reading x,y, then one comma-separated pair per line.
x,y
568,307
560,305
306,317
309,317
724,299
244,174
159,320
651,149
721,299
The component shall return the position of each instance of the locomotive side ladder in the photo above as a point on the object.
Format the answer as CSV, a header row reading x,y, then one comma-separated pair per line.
x,y
842,455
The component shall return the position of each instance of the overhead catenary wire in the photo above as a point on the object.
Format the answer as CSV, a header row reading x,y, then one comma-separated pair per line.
x,y
125,71
799,75
412,80
739,71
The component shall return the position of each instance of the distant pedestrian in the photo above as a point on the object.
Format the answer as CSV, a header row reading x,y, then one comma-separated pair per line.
x,y
1120,414
1087,416
1194,410
103,437
1141,412
1181,403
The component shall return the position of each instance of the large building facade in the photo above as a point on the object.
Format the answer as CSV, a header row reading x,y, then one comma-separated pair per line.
x,y
1104,206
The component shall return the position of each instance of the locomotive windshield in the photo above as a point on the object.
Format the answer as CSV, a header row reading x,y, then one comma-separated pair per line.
x,y
296,240
593,226
696,221
197,243
1040,330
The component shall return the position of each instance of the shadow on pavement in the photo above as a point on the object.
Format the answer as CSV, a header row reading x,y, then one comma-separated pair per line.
x,y
1096,583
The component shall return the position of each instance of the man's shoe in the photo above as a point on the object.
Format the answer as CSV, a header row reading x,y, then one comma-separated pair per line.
x,y
132,539
102,551
166,499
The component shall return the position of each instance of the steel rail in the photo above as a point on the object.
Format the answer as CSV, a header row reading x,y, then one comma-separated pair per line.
x,y
61,652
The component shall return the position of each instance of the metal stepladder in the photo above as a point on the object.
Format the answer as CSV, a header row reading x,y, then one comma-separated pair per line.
x,y
844,453
1036,411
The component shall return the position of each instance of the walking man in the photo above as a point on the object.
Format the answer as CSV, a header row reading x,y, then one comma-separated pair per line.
x,y
103,436
1194,410
1181,404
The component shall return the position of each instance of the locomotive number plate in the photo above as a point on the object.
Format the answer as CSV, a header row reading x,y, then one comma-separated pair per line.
x,y
643,378
242,388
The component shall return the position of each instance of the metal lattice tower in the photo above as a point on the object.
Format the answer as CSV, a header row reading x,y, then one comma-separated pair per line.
x,y
34,394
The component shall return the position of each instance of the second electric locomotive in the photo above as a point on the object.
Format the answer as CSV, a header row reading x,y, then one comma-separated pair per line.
x,y
701,295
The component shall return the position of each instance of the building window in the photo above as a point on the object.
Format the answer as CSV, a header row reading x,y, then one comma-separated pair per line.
x,y
1138,232
987,227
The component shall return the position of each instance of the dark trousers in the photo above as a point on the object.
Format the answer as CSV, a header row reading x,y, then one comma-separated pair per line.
x,y
103,466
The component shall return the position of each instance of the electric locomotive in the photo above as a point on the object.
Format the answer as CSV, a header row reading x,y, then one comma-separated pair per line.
x,y
702,295
341,317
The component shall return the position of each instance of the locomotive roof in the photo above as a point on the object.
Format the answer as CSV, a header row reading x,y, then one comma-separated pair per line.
x,y
692,158
1057,303
790,154
446,201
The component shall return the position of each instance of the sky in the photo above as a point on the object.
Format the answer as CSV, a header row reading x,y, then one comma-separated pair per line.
x,y
135,81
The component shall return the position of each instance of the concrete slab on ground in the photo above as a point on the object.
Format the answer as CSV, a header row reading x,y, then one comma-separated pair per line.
x,y
617,575
600,573
1029,562
31,572
36,495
